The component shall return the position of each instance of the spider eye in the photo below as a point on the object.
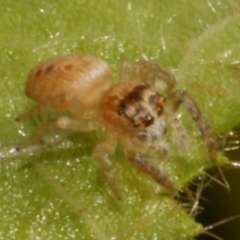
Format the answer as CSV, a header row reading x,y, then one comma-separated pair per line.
x,y
121,109
149,120
144,121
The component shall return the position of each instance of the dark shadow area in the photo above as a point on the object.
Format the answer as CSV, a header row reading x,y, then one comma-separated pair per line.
x,y
219,203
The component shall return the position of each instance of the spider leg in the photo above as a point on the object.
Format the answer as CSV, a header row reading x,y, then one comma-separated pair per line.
x,y
146,71
150,169
151,72
61,102
58,123
124,71
101,153
179,134
182,97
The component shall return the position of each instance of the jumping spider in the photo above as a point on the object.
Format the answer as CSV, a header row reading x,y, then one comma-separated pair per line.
x,y
132,111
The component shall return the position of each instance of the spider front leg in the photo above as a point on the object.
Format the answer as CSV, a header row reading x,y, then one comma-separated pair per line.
x,y
182,97
101,152
148,72
151,72
150,169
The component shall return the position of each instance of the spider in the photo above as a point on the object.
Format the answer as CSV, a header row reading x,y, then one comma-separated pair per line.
x,y
133,113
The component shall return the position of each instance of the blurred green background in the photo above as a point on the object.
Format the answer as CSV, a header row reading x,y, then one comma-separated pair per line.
x,y
58,192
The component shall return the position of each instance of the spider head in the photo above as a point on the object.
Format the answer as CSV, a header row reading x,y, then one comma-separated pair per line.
x,y
143,108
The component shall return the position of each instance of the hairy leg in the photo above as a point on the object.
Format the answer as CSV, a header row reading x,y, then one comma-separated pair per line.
x,y
179,134
61,102
101,152
125,71
151,72
58,123
182,97
146,71
150,169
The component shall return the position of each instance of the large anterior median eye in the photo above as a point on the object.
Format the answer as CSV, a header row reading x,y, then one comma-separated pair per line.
x,y
149,120
145,121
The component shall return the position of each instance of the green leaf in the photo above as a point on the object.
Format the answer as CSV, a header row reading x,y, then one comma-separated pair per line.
x,y
58,192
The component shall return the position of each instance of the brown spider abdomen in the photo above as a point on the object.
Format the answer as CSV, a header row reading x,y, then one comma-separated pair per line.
x,y
83,77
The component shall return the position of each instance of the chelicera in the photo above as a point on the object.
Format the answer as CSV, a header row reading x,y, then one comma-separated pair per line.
x,y
133,113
